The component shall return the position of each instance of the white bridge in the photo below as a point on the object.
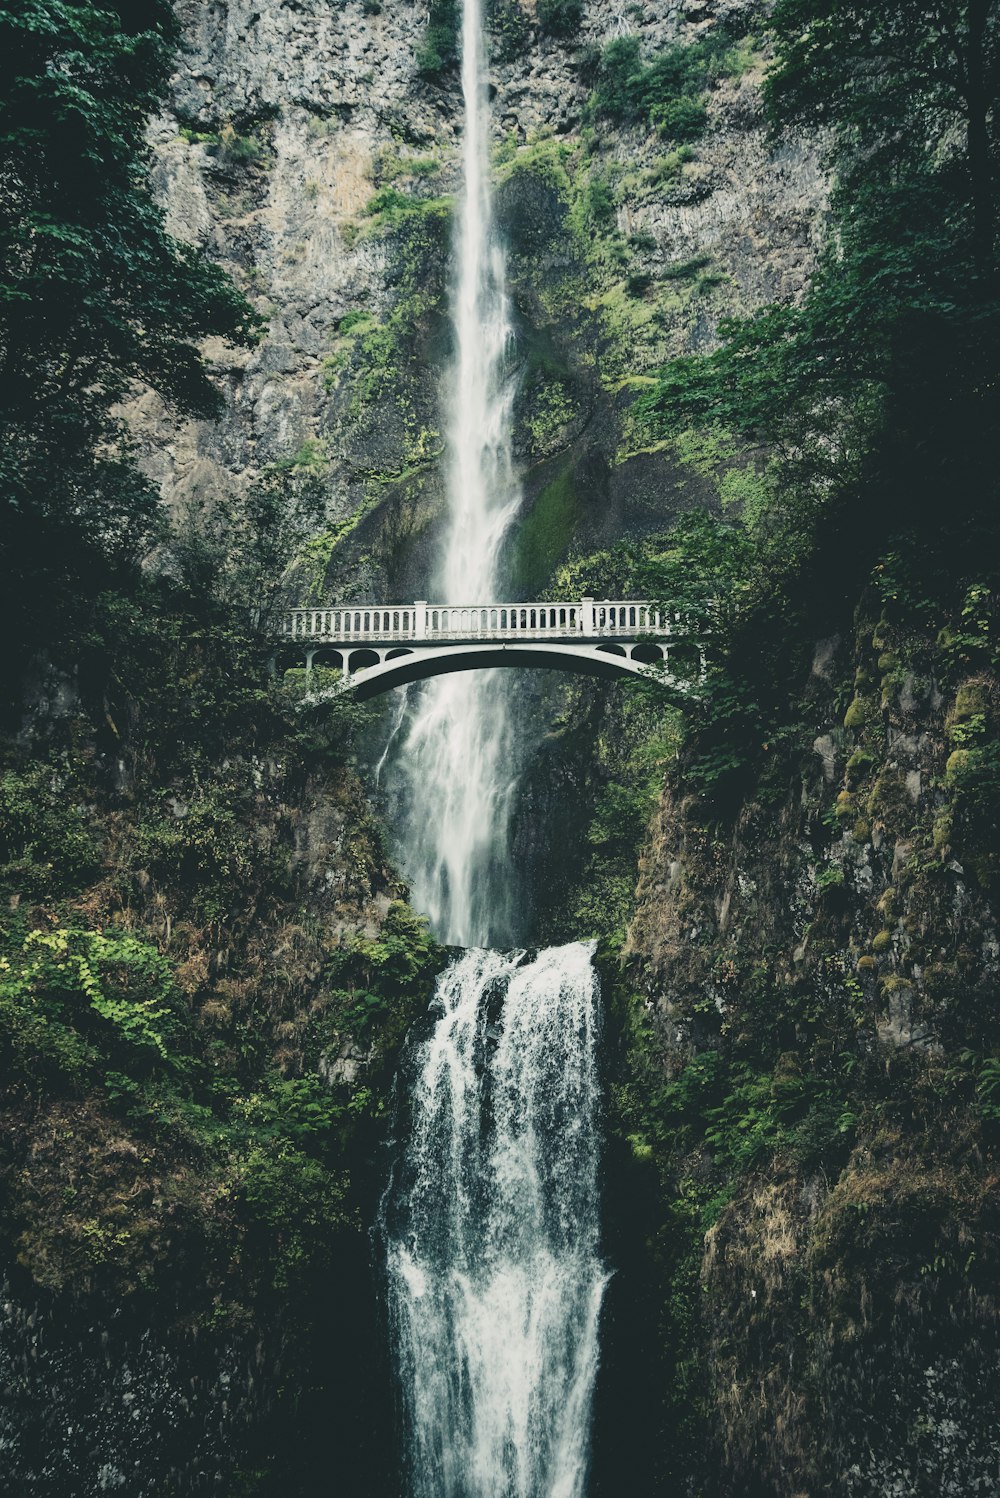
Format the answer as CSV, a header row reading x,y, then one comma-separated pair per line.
x,y
377,648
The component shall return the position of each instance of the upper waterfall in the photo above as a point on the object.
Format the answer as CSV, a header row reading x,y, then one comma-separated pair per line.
x,y
452,785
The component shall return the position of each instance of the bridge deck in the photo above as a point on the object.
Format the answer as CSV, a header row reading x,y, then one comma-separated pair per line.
x,y
441,624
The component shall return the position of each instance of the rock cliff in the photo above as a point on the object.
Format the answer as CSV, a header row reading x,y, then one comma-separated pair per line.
x,y
306,149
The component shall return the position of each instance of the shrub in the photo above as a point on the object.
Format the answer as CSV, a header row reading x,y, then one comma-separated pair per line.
x,y
46,842
665,92
67,996
509,28
439,48
680,119
560,17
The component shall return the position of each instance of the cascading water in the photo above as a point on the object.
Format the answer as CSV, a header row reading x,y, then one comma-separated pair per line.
x,y
495,1279
456,761
491,1221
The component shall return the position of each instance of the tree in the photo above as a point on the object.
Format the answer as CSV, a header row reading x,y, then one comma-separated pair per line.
x,y
96,298
896,81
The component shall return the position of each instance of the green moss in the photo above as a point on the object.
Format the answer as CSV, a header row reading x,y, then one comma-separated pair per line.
x,y
845,806
882,941
971,699
544,536
683,270
959,763
857,714
859,767
390,208
668,169
890,802
941,836
550,408
545,157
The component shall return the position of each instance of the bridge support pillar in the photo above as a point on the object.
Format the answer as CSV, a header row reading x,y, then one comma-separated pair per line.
x,y
420,619
587,624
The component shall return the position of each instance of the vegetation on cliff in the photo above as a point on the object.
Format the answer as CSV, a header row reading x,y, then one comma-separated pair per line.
x,y
807,1088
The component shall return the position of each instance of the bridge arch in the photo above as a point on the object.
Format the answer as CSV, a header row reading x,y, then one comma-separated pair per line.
x,y
398,667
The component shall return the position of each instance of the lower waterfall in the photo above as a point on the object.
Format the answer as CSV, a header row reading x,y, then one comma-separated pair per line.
x,y
492,1229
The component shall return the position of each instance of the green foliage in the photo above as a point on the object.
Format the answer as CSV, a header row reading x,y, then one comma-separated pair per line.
x,y
438,49
293,1204
509,29
842,413
48,844
377,980
68,995
294,1108
895,86
560,17
666,91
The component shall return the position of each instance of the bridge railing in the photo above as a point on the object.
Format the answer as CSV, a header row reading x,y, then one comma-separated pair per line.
x,y
588,619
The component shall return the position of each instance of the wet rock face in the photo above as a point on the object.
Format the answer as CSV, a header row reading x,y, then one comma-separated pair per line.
x,y
284,124
98,1409
845,917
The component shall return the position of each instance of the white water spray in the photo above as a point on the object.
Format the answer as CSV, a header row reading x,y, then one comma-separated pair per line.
x,y
495,1279
456,761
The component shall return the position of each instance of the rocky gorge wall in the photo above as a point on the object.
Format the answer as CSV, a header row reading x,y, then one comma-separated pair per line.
x,y
307,151
816,994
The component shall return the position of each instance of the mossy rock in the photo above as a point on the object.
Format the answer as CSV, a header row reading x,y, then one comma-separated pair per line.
x,y
545,535
959,764
866,964
845,805
881,634
972,698
888,661
889,801
859,767
882,941
889,902
861,831
941,836
857,714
